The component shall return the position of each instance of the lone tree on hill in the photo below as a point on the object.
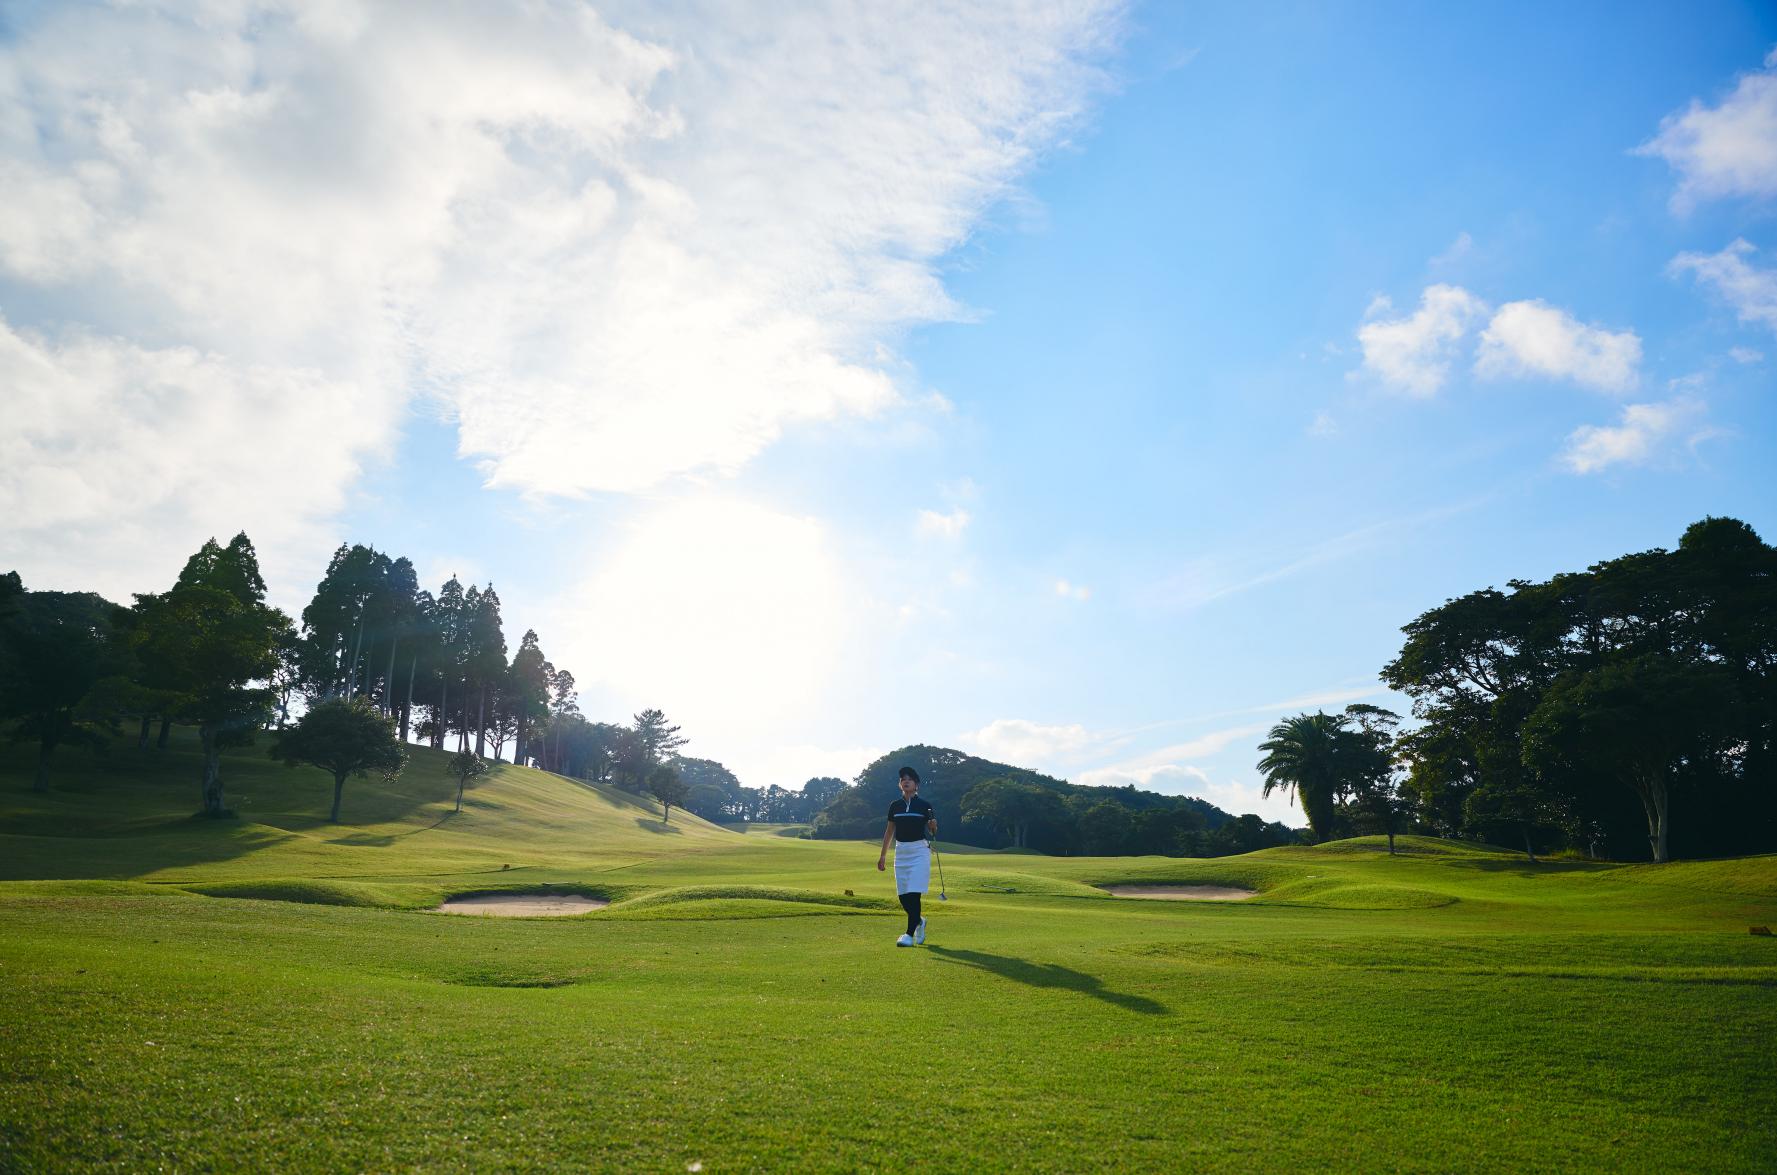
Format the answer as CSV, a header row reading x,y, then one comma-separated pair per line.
x,y
466,765
666,786
344,738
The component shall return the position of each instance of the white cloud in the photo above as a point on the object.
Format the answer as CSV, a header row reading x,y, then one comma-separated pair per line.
x,y
931,524
1751,291
1204,744
1532,338
118,461
1640,436
1745,355
620,247
1181,779
1173,779
1414,353
1725,150
1323,425
1024,743
1072,591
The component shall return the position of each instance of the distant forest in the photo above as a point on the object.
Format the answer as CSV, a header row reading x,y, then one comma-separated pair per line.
x,y
1625,711
994,805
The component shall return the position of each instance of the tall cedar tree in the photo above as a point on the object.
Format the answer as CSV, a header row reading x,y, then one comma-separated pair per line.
x,y
484,663
527,693
446,678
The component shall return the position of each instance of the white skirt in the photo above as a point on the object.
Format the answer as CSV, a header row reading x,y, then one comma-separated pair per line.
x,y
913,866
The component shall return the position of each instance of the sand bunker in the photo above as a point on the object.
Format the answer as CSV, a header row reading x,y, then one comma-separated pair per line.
x,y
521,905
1182,893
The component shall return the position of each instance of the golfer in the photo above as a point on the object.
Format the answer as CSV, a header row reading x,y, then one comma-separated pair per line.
x,y
910,821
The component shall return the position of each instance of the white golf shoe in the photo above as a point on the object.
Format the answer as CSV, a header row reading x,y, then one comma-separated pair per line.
x,y
906,940
919,934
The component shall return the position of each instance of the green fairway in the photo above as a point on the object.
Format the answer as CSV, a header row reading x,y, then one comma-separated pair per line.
x,y
271,991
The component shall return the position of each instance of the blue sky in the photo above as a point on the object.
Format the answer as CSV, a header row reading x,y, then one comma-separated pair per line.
x,y
1087,388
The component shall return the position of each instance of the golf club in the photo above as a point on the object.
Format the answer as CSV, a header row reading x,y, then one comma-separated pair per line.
x,y
942,896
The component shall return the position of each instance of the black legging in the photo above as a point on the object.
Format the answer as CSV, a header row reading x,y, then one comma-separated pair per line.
x,y
910,903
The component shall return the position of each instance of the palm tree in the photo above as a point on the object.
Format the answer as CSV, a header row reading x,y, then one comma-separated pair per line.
x,y
1302,758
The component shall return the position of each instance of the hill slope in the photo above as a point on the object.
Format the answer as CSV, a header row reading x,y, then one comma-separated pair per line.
x,y
129,814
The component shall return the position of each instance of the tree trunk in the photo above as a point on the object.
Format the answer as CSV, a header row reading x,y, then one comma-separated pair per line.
x,y
1657,822
166,727
666,812
1391,842
1528,851
439,719
407,710
339,786
481,724
461,780
45,749
142,736
357,648
212,771
389,679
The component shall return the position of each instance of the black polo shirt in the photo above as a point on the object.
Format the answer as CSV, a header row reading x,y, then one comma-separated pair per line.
x,y
910,818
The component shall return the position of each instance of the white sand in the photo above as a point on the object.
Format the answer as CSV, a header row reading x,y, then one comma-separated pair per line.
x,y
521,905
1182,893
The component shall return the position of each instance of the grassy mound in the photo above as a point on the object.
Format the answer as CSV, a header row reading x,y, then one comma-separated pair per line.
x,y
703,902
313,892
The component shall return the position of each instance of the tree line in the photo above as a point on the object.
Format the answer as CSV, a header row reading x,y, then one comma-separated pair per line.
x,y
375,660
1627,710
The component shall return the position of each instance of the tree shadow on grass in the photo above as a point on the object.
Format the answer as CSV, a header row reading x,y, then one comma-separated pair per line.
x,y
1522,867
384,840
653,824
1049,975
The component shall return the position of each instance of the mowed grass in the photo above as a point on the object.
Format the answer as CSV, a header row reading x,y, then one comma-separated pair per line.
x,y
272,992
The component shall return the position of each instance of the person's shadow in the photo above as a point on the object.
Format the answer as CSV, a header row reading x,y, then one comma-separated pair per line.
x,y
1049,975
